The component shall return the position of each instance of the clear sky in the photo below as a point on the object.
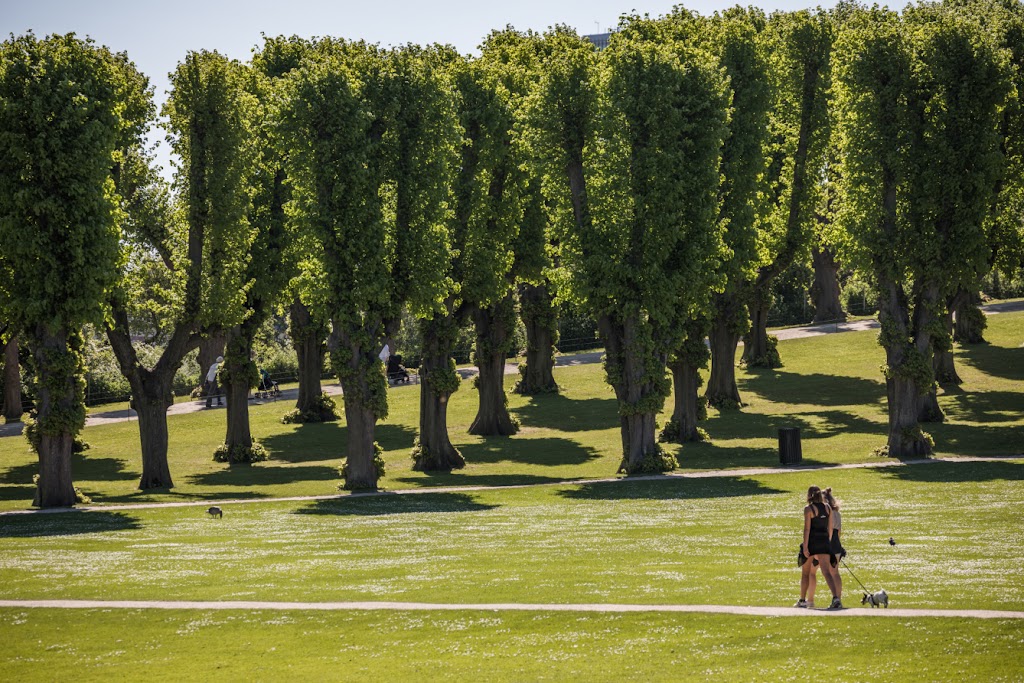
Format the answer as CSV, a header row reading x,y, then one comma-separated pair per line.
x,y
157,35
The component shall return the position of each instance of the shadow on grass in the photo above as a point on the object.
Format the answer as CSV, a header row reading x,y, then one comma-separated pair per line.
x,y
554,411
83,468
395,504
813,425
547,451
438,479
965,439
982,406
66,524
997,361
825,390
958,472
264,474
670,488
316,442
25,493
170,495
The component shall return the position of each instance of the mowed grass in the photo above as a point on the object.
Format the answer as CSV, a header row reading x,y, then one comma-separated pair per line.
x,y
498,646
720,540
830,386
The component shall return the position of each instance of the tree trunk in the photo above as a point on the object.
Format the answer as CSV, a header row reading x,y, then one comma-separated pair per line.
x,y
541,321
493,335
310,349
438,381
943,364
825,291
60,414
637,394
906,440
970,320
364,389
758,351
686,413
722,391
240,368
12,381
209,349
152,397
360,468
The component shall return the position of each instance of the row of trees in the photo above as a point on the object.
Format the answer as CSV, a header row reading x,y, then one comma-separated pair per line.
x,y
661,184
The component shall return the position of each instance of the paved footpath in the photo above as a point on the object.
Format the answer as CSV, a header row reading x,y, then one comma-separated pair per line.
x,y
507,607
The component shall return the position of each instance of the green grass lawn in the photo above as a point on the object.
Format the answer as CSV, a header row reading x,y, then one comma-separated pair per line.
x,y
830,386
720,540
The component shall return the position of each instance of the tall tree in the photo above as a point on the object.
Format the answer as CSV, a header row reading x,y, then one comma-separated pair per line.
x,y
368,138
209,114
801,49
636,142
483,226
918,103
61,119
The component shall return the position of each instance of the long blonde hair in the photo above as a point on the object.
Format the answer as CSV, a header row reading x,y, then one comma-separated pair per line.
x,y
830,499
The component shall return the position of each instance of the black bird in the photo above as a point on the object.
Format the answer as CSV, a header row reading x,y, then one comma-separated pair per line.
x,y
891,541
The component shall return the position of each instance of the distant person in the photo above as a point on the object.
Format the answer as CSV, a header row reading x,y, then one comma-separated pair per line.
x,y
816,549
809,570
211,383
397,371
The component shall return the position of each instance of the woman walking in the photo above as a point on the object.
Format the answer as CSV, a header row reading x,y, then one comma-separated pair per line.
x,y
817,548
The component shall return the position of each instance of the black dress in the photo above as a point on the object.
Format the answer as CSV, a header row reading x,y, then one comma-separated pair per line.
x,y
818,541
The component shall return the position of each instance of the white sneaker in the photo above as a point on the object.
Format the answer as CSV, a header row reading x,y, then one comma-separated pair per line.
x,y
802,603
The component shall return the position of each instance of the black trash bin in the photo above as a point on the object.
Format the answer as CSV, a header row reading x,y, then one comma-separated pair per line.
x,y
789,446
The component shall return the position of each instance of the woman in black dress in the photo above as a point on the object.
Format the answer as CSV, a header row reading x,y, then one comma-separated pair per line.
x,y
817,545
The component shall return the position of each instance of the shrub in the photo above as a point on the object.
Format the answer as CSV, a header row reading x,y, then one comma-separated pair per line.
x,y
241,454
326,410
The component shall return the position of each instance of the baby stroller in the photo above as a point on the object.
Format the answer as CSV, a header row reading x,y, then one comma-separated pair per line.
x,y
396,371
267,388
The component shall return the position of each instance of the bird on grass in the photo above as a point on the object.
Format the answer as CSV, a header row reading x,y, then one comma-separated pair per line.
x,y
891,541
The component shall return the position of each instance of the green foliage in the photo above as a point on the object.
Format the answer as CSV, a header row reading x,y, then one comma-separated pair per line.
x,y
34,437
325,411
656,462
240,453
770,359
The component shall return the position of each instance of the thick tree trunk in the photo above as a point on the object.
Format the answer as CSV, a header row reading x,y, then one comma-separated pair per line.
x,y
238,437
722,391
360,469
943,364
637,395
12,381
540,319
970,320
152,397
758,351
438,381
493,335
905,437
686,413
310,349
56,404
825,291
209,349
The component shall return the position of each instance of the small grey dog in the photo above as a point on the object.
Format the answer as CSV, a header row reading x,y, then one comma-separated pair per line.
x,y
215,512
879,599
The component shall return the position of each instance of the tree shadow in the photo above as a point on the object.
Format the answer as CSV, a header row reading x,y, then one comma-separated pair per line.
x,y
968,439
264,474
555,411
316,442
669,488
938,471
550,451
457,478
825,423
982,406
25,493
83,468
997,361
779,386
395,504
70,523
145,497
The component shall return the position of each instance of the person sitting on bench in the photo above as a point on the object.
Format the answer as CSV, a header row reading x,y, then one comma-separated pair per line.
x,y
396,372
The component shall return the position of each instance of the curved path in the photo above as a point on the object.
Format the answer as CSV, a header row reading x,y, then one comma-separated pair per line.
x,y
508,607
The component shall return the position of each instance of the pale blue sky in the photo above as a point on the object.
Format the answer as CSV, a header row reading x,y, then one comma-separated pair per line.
x,y
156,35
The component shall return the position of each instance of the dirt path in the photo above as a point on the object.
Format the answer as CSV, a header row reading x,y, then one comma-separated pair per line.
x,y
507,607
702,474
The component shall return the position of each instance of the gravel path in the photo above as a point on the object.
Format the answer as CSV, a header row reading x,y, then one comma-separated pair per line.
x,y
508,607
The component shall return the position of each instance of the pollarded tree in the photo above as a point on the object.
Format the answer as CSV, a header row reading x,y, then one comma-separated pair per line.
x,y
517,58
918,104
484,223
635,138
61,118
199,245
801,45
368,138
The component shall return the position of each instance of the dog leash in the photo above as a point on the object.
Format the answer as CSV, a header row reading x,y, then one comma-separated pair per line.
x,y
854,576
